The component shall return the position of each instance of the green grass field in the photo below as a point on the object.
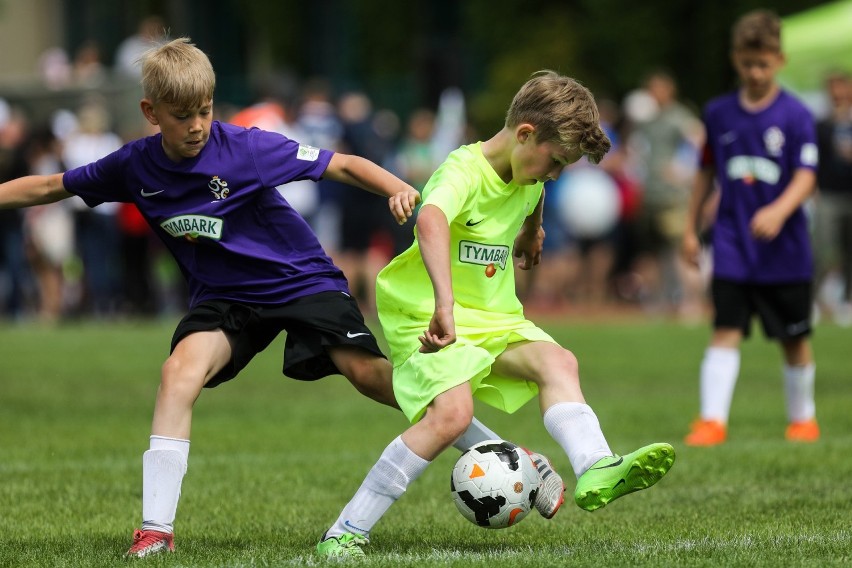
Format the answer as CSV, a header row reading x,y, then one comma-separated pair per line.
x,y
274,460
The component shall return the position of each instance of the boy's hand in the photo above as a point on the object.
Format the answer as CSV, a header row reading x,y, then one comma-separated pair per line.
x,y
402,204
441,332
767,223
528,246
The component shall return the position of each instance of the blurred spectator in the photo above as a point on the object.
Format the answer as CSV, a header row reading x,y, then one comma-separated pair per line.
x,y
55,68
366,242
137,262
96,229
834,201
151,280
429,138
618,126
317,118
583,213
150,32
87,69
414,160
48,230
276,111
318,115
14,270
664,148
450,125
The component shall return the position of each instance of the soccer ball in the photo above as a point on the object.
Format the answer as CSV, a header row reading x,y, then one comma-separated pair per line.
x,y
494,484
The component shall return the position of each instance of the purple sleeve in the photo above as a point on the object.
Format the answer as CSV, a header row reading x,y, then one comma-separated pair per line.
x,y
280,160
804,146
99,181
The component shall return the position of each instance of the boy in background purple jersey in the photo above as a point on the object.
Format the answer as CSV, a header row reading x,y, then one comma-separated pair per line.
x,y
252,264
761,149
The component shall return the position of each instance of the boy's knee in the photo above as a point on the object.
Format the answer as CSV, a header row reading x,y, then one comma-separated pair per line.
x,y
568,361
448,422
177,379
560,359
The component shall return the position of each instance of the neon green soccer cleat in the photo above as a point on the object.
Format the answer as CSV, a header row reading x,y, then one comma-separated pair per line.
x,y
347,545
616,476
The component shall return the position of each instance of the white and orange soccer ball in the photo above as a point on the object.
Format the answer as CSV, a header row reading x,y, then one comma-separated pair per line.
x,y
494,484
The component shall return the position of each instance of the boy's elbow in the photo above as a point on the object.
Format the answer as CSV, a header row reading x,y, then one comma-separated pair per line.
x,y
429,220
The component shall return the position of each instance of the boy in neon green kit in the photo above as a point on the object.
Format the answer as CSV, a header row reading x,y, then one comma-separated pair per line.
x,y
456,328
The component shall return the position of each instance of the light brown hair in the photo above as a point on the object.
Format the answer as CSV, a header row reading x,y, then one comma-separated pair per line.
x,y
562,111
178,73
758,30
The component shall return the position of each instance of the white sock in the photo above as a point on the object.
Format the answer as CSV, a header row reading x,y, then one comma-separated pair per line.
x,y
385,483
799,388
576,428
719,371
163,468
475,433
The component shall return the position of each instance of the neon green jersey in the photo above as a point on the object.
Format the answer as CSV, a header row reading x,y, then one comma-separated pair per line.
x,y
484,215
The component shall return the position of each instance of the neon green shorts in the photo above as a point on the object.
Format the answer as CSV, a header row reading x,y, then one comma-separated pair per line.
x,y
420,377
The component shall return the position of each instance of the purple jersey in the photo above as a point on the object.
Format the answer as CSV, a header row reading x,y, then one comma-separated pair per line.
x,y
230,231
755,155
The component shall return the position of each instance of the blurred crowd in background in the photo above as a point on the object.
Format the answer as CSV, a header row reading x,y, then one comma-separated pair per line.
x,y
613,230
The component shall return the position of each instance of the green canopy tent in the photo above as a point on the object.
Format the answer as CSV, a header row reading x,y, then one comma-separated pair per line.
x,y
817,42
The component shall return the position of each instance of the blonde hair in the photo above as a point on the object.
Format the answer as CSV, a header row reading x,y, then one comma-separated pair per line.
x,y
758,30
178,73
562,111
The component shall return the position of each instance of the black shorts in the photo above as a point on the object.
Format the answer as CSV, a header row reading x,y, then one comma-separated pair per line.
x,y
313,324
784,309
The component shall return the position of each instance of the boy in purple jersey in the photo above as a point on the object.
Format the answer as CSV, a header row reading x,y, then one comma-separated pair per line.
x,y
761,149
252,264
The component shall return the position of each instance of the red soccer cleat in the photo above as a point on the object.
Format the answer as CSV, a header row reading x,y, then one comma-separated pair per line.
x,y
151,542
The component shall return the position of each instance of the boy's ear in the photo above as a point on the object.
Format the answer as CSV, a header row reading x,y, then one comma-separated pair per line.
x,y
148,110
524,132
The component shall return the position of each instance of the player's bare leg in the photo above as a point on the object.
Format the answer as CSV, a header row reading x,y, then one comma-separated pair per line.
x,y
574,425
370,374
195,360
400,464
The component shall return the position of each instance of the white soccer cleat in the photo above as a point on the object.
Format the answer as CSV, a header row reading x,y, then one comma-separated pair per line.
x,y
551,491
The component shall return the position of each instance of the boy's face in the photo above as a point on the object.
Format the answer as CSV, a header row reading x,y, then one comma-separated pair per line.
x,y
534,162
757,69
185,130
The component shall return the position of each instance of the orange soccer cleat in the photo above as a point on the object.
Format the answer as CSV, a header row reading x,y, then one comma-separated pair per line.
x,y
804,431
706,433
